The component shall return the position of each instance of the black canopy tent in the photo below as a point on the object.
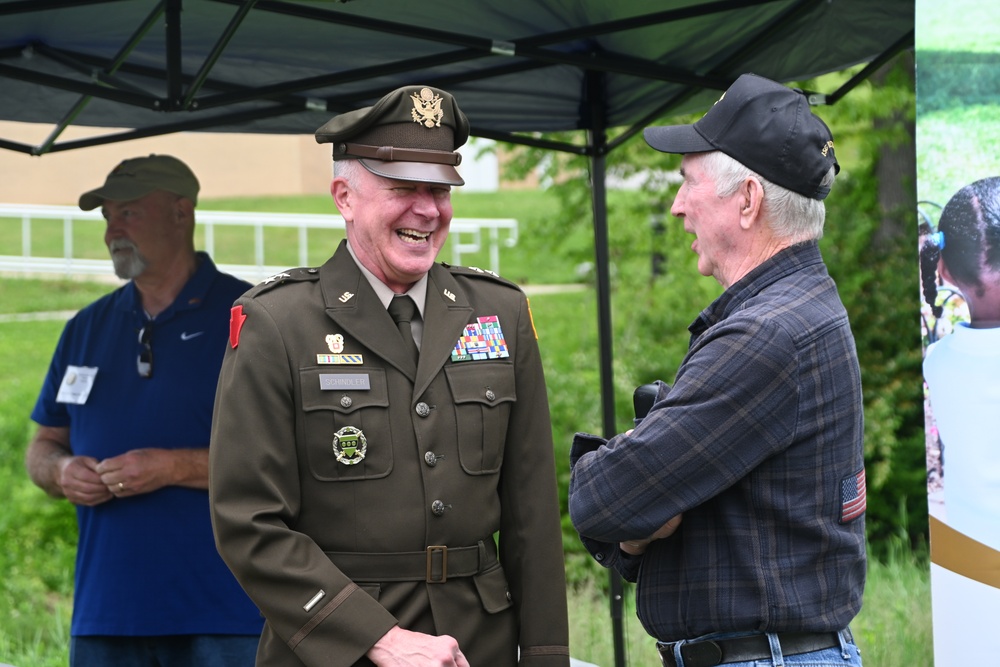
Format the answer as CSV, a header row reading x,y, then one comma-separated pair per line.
x,y
518,68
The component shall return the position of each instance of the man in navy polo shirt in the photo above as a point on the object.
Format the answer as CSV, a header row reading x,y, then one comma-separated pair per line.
x,y
124,423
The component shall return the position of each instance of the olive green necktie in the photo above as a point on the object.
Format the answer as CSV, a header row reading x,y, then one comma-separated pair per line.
x,y
403,310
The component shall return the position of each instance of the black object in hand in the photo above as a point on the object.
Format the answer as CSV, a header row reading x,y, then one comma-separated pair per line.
x,y
643,399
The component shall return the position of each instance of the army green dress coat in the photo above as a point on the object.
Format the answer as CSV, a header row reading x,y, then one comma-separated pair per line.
x,y
352,491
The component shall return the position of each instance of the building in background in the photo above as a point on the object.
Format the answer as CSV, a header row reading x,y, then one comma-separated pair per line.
x,y
228,165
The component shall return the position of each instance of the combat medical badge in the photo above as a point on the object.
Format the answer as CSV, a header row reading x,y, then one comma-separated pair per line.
x,y
350,445
336,344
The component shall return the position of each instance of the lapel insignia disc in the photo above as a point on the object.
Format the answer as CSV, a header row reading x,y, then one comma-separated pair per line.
x,y
482,339
350,445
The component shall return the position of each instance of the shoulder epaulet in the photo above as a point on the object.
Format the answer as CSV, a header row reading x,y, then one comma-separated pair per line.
x,y
476,272
284,278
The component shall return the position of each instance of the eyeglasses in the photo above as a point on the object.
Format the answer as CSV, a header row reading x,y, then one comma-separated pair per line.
x,y
144,363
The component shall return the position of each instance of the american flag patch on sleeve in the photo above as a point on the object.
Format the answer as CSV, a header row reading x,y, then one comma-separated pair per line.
x,y
852,496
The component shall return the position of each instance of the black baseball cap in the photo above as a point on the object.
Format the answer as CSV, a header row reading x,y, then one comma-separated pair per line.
x,y
412,134
767,127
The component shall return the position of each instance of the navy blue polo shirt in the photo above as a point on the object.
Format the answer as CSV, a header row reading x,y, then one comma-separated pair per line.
x,y
147,565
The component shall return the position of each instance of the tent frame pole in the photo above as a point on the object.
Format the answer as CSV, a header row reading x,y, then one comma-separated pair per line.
x,y
598,174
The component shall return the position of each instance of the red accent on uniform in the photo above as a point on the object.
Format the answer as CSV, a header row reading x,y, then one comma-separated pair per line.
x,y
236,320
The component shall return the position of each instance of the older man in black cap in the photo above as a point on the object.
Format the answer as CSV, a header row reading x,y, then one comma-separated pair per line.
x,y
737,503
382,479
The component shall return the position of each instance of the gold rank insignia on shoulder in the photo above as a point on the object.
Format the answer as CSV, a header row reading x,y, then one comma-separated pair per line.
x,y
350,445
427,108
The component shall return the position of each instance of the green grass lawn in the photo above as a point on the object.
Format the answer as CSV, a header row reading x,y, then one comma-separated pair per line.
x,y
952,26
958,98
958,131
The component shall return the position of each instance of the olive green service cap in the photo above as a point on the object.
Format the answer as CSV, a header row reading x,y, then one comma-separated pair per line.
x,y
137,177
411,134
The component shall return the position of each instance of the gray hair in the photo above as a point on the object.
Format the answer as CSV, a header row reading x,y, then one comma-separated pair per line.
x,y
791,216
348,170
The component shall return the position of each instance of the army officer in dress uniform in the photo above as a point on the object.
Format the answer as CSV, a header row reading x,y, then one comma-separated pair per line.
x,y
382,503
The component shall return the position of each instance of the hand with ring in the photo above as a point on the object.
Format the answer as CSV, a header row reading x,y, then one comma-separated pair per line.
x,y
80,482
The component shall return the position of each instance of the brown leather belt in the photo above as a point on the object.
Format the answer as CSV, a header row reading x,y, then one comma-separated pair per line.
x,y
711,652
435,565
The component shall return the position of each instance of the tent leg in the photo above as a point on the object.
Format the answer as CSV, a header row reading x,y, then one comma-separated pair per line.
x,y
598,176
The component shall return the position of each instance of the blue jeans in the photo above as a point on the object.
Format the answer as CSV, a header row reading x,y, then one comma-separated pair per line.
x,y
168,651
845,655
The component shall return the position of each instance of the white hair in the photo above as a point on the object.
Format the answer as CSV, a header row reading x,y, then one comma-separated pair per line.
x,y
791,216
348,170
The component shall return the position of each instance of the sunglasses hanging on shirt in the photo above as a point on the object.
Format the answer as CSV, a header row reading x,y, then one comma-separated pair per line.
x,y
144,363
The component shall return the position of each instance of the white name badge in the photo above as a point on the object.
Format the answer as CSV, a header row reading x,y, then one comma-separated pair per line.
x,y
76,384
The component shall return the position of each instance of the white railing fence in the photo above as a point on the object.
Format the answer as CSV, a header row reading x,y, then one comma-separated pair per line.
x,y
468,235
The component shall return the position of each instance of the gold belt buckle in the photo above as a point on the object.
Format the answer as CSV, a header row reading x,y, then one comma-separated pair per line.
x,y
431,550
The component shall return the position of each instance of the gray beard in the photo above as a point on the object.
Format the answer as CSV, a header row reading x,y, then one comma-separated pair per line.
x,y
128,265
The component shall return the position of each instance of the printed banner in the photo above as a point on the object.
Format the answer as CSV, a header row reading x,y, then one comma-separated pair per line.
x,y
958,187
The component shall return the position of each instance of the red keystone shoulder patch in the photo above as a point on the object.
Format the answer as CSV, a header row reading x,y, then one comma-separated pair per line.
x,y
236,320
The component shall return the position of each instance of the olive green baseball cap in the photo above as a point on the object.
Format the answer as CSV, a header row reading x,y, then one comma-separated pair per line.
x,y
137,177
411,134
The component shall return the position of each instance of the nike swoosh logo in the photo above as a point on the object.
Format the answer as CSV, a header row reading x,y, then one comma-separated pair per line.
x,y
187,336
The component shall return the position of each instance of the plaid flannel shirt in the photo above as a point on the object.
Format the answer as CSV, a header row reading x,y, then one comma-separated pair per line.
x,y
755,443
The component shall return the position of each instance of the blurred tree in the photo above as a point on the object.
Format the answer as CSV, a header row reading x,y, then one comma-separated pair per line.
x,y
878,275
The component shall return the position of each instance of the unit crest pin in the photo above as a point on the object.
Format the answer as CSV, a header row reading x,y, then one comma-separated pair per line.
x,y
350,445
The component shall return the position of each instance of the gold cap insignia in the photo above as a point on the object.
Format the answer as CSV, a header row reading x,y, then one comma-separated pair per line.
x,y
426,108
